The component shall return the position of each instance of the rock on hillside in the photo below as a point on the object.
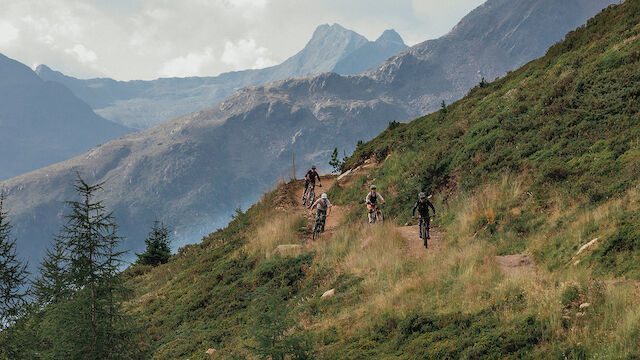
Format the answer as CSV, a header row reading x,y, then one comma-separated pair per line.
x,y
193,171
42,123
142,104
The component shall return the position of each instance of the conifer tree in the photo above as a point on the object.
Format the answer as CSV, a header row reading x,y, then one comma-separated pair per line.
x,y
334,162
52,284
443,108
79,280
158,249
13,272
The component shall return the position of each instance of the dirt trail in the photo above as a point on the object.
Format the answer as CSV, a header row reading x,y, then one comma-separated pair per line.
x,y
337,212
415,245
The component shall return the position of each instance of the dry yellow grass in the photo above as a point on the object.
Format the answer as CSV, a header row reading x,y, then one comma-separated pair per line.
x,y
280,229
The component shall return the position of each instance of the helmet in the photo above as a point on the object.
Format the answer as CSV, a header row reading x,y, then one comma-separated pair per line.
x,y
373,187
324,196
422,196
313,167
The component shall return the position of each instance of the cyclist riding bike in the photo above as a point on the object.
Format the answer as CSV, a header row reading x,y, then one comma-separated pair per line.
x,y
422,205
310,178
372,201
323,208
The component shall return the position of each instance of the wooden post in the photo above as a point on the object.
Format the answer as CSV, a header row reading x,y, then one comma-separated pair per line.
x,y
294,166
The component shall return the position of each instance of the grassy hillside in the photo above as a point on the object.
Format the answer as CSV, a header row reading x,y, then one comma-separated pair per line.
x,y
539,162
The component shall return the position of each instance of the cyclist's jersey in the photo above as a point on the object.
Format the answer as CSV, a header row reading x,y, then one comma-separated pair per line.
x,y
423,208
373,199
322,204
312,176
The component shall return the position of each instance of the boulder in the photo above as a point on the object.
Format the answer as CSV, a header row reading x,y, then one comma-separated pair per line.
x,y
587,245
329,293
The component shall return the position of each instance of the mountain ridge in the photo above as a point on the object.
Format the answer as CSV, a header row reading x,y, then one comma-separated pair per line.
x,y
42,123
142,104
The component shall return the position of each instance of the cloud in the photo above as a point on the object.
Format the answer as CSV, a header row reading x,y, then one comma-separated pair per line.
x,y
245,54
248,3
82,54
142,39
187,65
8,33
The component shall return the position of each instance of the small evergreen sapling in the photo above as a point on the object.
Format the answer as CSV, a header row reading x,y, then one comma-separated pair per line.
x,y
334,162
158,249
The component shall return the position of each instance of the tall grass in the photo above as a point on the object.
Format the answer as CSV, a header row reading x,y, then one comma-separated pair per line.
x,y
283,228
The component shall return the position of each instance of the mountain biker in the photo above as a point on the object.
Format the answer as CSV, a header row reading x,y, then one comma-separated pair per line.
x,y
372,201
323,207
310,178
423,204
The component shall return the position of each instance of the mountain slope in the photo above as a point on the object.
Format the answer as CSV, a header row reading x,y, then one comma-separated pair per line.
x,y
193,171
42,123
142,104
513,171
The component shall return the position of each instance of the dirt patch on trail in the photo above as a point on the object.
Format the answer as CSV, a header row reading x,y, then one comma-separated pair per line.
x,y
415,245
516,264
294,193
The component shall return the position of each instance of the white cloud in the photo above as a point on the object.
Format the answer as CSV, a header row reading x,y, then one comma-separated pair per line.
x,y
141,39
8,33
245,54
187,65
248,3
82,54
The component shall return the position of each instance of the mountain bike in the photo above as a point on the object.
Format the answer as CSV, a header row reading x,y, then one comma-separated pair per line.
x,y
309,195
319,226
424,230
376,216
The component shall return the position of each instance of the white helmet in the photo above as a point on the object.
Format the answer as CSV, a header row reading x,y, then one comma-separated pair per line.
x,y
324,196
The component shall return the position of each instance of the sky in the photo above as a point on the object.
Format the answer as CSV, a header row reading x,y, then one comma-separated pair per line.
x,y
147,39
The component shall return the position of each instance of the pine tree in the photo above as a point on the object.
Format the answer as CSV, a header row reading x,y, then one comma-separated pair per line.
x,y
81,273
334,162
158,249
443,108
52,284
13,272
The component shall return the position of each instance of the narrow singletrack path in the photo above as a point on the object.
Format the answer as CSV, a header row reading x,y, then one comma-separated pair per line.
x,y
333,220
415,245
410,234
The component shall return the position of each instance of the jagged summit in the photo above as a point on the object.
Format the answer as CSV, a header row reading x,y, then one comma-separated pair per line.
x,y
42,68
390,35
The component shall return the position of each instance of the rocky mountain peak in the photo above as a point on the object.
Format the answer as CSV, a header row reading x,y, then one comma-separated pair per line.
x,y
390,35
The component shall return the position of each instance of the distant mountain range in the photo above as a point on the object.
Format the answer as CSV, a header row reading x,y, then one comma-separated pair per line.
x,y
193,171
143,104
42,122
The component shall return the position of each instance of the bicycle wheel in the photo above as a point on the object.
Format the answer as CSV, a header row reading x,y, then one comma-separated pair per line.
x,y
310,199
316,230
379,216
423,230
304,196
